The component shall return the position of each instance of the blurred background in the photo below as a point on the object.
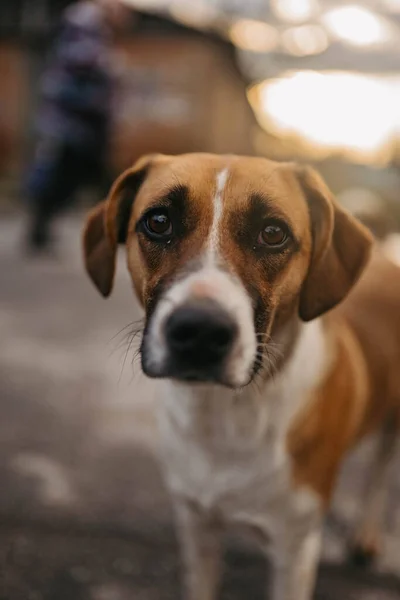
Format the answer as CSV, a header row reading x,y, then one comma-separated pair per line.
x,y
83,512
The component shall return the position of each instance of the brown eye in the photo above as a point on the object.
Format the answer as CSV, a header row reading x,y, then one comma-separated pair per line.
x,y
273,235
158,224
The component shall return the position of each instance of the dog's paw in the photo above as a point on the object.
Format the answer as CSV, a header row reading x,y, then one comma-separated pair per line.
x,y
365,549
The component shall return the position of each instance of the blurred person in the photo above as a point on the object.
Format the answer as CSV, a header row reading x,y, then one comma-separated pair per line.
x,y
73,123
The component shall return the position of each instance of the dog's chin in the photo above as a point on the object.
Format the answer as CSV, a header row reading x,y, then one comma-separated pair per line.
x,y
199,380
190,376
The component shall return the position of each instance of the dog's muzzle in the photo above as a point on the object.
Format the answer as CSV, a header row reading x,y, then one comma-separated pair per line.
x,y
199,336
201,329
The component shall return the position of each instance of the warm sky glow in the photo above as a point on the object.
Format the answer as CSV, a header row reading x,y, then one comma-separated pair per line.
x,y
256,36
357,25
295,11
305,40
334,110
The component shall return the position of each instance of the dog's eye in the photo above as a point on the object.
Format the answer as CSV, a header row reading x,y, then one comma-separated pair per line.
x,y
158,224
273,235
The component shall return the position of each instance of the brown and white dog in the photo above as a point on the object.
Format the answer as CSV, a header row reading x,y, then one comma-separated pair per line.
x,y
235,260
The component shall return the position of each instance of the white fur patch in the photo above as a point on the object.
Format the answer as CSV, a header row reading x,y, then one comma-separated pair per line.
x,y
226,452
302,373
212,244
228,449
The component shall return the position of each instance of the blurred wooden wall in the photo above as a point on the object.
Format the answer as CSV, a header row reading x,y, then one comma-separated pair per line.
x,y
179,95
13,105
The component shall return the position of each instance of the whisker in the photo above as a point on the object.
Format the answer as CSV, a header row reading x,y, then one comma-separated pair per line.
x,y
136,329
126,341
125,357
269,348
136,356
133,324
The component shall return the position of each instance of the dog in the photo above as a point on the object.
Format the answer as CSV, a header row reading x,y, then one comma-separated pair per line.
x,y
274,326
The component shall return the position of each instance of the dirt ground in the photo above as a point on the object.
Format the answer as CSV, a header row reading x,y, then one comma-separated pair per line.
x,y
83,511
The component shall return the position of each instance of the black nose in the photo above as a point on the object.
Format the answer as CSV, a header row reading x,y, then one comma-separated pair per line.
x,y
199,336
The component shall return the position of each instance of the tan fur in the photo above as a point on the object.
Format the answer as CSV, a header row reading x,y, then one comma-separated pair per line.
x,y
331,422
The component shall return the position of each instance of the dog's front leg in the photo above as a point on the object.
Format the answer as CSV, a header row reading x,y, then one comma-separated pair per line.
x,y
200,540
295,563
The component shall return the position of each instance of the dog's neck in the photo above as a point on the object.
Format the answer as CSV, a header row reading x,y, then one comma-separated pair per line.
x,y
263,408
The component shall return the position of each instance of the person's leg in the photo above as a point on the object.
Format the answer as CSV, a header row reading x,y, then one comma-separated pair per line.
x,y
55,176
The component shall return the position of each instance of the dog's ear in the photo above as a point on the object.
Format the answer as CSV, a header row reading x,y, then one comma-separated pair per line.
x,y
340,248
107,224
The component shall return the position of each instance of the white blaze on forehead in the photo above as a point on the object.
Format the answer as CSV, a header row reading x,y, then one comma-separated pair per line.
x,y
212,243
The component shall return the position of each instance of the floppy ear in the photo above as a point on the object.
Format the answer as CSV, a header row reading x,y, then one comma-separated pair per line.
x,y
107,225
340,248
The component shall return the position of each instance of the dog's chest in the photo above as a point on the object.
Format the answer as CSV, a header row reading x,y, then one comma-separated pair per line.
x,y
228,452
227,457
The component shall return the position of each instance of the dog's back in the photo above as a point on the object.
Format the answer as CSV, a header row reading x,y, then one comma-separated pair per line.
x,y
372,310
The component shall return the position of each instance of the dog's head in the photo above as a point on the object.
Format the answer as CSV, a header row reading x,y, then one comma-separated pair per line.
x,y
224,253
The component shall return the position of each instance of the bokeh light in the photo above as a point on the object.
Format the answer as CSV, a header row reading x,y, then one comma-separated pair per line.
x,y
336,110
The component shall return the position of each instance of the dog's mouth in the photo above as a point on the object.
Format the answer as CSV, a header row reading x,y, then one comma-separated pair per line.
x,y
191,375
